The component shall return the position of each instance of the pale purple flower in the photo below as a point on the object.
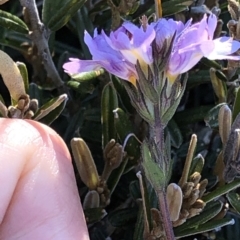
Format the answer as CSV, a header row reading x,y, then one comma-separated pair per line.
x,y
118,53
133,42
192,42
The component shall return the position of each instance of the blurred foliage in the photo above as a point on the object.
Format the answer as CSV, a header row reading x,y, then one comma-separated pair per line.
x,y
89,114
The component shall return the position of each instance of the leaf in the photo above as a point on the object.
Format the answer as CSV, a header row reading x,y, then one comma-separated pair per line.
x,y
116,175
83,23
122,94
211,119
109,103
124,129
139,226
51,110
64,13
49,7
196,165
53,115
23,70
168,114
153,172
211,63
15,40
94,214
85,76
36,92
219,86
74,123
175,6
234,200
123,217
175,134
12,22
209,212
83,88
221,191
215,224
236,106
134,190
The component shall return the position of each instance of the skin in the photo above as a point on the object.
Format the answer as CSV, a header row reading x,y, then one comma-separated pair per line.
x,y
39,197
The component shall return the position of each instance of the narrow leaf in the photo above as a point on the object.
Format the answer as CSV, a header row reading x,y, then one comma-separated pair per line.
x,y
64,13
234,200
215,224
12,22
221,191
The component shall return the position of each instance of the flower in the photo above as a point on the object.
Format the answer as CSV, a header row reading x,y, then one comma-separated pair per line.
x,y
134,43
118,53
192,42
103,56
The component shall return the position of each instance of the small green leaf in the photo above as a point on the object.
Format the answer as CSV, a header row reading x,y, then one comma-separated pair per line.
x,y
236,106
64,13
53,115
93,215
211,119
109,102
12,22
219,86
214,224
123,95
124,128
50,7
134,190
168,114
36,92
85,76
221,191
116,175
82,23
221,76
24,73
123,217
175,134
82,88
211,63
234,199
51,110
74,123
197,164
209,212
175,6
152,171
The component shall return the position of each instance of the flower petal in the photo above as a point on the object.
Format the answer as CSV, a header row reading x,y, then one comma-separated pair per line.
x,y
76,66
222,48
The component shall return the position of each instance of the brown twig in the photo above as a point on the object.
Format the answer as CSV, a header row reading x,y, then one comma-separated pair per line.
x,y
40,35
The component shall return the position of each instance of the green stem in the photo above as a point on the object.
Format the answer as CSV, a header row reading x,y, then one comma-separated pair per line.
x,y
158,133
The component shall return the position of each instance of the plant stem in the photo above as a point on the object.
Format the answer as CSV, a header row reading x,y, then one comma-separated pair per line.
x,y
158,133
40,35
158,8
167,224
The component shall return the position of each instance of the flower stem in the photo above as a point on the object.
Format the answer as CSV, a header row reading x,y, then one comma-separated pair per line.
x,y
157,132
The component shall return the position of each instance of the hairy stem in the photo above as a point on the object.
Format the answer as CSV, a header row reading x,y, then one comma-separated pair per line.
x,y
167,224
40,35
157,132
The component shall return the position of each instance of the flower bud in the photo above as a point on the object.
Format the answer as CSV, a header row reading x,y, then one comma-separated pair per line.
x,y
174,200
